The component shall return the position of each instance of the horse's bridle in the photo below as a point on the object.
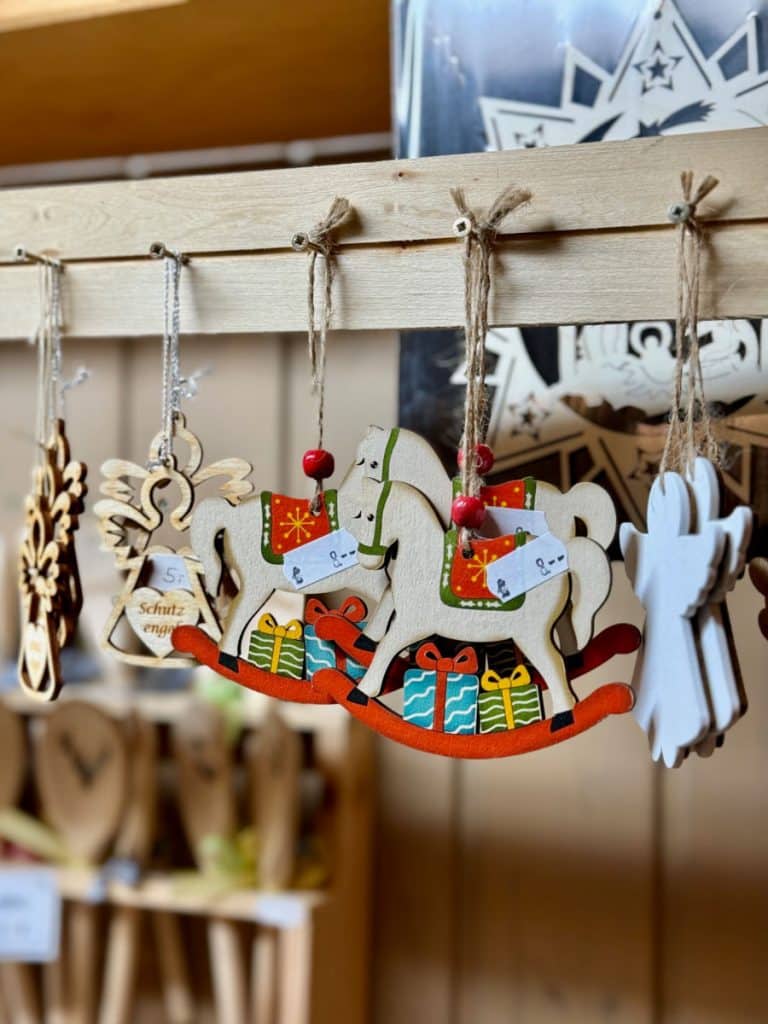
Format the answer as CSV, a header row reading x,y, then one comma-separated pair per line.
x,y
376,547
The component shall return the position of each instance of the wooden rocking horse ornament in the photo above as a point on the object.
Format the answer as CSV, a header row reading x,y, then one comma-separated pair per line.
x,y
420,555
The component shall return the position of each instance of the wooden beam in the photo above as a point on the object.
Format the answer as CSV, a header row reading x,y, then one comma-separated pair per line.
x,y
576,188
16,14
569,279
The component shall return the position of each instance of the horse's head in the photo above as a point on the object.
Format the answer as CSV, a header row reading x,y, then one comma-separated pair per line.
x,y
368,524
374,452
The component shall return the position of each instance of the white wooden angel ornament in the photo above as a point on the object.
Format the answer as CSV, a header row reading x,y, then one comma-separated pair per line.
x,y
718,653
163,587
687,680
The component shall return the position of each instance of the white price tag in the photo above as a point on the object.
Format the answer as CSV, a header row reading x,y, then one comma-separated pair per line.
x,y
30,915
509,520
280,911
526,567
320,559
169,572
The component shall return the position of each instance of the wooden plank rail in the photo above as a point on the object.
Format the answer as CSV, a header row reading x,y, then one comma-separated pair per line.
x,y
593,246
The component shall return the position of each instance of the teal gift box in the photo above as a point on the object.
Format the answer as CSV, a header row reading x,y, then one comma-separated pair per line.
x,y
441,693
324,653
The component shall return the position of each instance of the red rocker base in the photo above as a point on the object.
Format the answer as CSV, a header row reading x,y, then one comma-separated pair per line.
x,y
611,699
332,687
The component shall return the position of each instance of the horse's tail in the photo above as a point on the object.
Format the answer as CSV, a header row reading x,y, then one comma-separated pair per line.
x,y
211,517
594,506
590,573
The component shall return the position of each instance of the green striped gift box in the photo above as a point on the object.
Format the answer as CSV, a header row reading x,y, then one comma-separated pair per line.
x,y
524,701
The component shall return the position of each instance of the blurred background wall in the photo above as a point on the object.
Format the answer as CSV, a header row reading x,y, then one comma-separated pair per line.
x,y
579,884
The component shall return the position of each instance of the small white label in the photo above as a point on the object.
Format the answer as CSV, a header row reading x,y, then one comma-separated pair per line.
x,y
30,915
169,572
504,521
320,559
527,567
280,911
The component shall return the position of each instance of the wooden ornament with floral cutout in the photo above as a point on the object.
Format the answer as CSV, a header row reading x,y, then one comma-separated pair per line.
x,y
49,581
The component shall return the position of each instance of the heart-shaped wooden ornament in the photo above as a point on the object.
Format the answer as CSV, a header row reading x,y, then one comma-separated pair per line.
x,y
154,615
35,652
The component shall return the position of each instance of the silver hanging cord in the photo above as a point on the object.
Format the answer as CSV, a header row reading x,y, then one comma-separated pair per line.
x,y
50,390
173,385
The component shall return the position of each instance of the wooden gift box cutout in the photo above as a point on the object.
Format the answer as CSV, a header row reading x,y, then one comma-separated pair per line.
x,y
332,687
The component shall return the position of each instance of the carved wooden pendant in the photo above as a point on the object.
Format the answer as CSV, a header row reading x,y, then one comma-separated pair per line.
x,y
163,588
49,581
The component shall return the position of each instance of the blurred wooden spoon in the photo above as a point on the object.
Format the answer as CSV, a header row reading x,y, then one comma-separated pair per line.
x,y
203,756
82,773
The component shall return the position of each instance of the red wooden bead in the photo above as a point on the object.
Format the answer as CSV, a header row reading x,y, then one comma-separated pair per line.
x,y
484,458
318,464
468,512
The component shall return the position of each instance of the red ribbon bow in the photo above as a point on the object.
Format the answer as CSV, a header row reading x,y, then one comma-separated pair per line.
x,y
429,657
353,609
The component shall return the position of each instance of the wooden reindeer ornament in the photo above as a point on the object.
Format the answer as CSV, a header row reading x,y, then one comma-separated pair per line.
x,y
163,588
49,581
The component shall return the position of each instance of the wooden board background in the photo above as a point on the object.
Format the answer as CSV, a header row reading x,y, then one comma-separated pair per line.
x,y
190,75
579,885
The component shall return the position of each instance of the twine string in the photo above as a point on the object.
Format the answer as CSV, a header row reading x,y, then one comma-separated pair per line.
x,y
479,237
690,429
319,242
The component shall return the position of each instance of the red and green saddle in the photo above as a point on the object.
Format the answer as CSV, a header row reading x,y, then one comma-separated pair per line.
x,y
287,523
510,494
463,580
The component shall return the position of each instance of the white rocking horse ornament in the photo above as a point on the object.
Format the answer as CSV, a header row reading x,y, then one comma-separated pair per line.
x,y
382,574
396,513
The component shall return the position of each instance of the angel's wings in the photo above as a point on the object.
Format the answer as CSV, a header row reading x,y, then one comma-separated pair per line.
x,y
126,516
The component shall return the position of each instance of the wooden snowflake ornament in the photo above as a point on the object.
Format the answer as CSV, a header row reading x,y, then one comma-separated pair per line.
x,y
49,581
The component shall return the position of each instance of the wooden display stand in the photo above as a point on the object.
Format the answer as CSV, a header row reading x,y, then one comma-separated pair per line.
x,y
297,931
594,246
